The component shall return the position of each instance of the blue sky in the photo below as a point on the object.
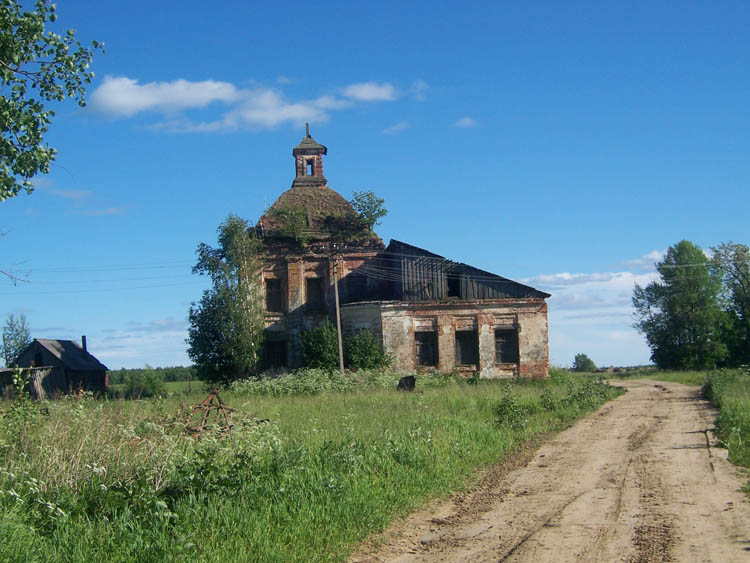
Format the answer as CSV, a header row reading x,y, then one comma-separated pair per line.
x,y
565,145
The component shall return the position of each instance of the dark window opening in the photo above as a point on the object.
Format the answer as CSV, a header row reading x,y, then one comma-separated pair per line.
x,y
273,296
426,348
467,349
454,285
314,288
275,353
38,360
506,346
310,167
356,287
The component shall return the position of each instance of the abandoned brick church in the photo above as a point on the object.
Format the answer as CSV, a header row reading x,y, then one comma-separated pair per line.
x,y
431,313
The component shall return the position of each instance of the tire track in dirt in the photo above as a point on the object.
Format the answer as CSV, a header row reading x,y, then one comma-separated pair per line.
x,y
636,481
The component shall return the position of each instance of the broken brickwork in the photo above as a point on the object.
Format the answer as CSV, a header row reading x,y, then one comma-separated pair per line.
x,y
432,314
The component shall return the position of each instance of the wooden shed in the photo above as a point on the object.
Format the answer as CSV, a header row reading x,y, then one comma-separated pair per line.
x,y
71,366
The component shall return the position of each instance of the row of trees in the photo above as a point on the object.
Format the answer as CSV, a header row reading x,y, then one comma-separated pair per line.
x,y
697,314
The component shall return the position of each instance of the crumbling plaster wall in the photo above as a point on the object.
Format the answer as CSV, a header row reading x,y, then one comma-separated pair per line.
x,y
399,321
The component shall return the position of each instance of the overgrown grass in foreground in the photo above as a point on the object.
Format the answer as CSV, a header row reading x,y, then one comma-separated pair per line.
x,y
84,480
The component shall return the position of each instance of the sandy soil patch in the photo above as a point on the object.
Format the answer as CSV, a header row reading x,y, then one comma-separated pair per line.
x,y
639,480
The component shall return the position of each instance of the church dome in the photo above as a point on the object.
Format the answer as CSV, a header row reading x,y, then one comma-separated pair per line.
x,y
310,209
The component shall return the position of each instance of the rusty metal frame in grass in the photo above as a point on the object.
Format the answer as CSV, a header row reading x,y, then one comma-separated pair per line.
x,y
212,404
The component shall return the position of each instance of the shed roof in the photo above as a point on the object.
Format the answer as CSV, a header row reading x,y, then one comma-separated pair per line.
x,y
71,354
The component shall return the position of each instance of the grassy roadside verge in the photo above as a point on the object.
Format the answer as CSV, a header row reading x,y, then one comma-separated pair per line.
x,y
729,391
83,480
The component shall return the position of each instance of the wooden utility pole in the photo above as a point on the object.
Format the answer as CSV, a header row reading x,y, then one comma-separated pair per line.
x,y
338,312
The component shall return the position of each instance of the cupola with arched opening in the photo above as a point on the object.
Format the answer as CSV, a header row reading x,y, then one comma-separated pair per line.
x,y
308,158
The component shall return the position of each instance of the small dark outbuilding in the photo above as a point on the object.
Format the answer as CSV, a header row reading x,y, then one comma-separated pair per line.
x,y
72,367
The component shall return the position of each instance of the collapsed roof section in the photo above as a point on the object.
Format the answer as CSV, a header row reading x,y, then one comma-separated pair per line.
x,y
416,274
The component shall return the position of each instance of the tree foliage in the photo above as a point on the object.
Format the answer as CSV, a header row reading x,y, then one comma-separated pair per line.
x,y
369,207
320,347
144,385
16,337
226,326
36,67
680,314
363,350
583,363
731,262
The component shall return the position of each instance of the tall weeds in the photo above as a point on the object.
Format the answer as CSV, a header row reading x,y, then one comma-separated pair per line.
x,y
729,391
84,480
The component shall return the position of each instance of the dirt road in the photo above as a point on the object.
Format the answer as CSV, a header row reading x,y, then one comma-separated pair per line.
x,y
639,480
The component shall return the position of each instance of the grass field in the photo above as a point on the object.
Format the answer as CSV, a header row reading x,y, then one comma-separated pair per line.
x,y
172,387
684,377
87,480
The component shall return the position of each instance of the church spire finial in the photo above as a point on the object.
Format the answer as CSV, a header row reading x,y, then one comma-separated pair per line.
x,y
307,129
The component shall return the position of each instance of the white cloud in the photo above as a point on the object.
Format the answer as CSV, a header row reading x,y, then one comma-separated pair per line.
x,y
267,108
283,80
371,92
331,102
123,96
565,278
647,261
418,90
70,194
160,325
250,108
261,109
592,313
106,211
465,122
400,126
42,182
159,343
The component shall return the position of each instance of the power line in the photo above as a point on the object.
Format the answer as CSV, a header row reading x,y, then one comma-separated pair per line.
x,y
97,290
111,268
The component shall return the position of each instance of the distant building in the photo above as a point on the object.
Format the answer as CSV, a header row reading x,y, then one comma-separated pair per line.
x,y
431,313
69,365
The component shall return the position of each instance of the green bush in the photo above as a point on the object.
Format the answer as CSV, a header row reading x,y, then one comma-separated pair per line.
x,y
309,381
364,351
583,363
320,347
510,411
144,385
559,376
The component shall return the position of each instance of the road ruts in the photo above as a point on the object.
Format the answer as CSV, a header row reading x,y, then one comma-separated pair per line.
x,y
639,480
